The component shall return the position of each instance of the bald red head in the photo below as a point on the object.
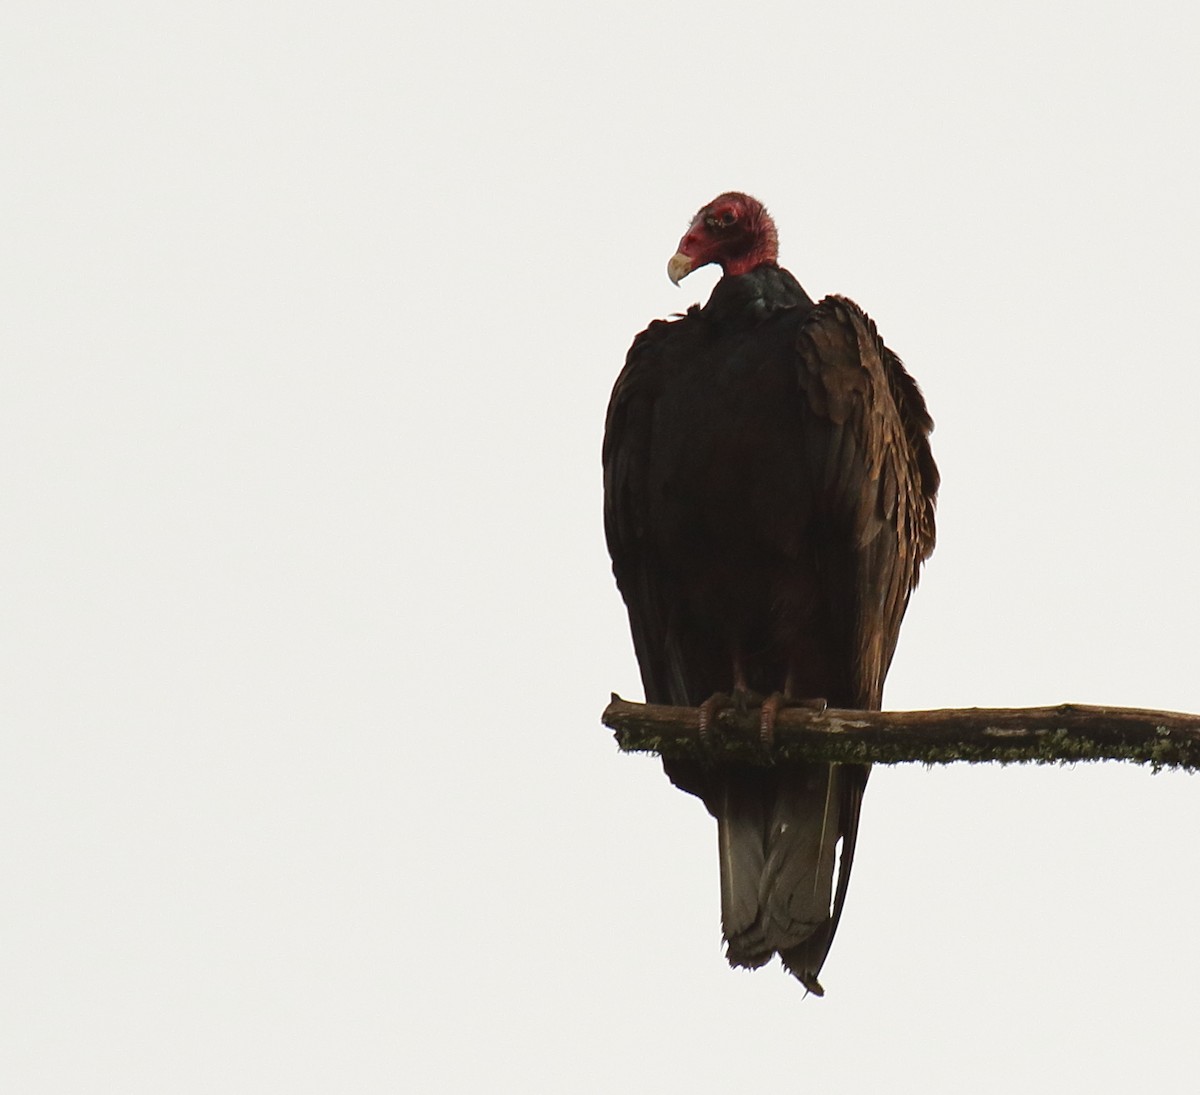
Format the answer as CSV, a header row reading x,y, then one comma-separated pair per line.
x,y
735,231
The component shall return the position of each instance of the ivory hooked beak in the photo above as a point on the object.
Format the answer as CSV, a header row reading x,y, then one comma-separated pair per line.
x,y
679,267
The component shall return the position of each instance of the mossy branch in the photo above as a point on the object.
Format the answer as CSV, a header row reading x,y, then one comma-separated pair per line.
x,y
1043,735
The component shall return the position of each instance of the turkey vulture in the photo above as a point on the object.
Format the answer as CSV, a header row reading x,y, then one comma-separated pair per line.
x,y
768,501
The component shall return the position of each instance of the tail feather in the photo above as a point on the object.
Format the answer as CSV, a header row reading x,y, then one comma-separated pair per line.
x,y
778,832
740,809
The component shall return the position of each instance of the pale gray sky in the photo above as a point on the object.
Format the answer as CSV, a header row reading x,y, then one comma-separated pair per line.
x,y
312,315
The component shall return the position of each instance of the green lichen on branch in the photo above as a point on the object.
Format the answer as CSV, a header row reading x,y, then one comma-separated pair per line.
x,y
1065,734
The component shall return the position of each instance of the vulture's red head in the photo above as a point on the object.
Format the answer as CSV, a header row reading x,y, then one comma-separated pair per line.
x,y
734,231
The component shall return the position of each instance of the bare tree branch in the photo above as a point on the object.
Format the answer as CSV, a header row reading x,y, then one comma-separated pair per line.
x,y
1067,733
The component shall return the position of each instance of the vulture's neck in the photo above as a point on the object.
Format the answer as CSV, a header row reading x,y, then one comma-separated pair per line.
x,y
741,298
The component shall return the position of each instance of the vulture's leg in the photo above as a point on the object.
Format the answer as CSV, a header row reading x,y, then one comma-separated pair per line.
x,y
742,699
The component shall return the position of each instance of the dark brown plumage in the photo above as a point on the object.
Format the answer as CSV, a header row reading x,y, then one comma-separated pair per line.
x,y
769,497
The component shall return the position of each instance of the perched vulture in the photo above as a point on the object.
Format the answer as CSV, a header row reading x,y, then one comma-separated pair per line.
x,y
768,501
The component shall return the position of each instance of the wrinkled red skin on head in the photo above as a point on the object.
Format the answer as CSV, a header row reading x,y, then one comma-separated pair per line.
x,y
737,247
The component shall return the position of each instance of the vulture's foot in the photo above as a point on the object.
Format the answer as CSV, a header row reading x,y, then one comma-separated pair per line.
x,y
709,710
775,703
742,700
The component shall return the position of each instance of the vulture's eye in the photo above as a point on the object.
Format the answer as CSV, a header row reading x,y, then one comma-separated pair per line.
x,y
728,217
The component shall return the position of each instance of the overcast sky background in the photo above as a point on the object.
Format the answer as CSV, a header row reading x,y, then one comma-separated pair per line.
x,y
311,314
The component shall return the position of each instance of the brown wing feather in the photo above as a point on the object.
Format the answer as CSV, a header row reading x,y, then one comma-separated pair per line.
x,y
876,475
877,485
626,452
